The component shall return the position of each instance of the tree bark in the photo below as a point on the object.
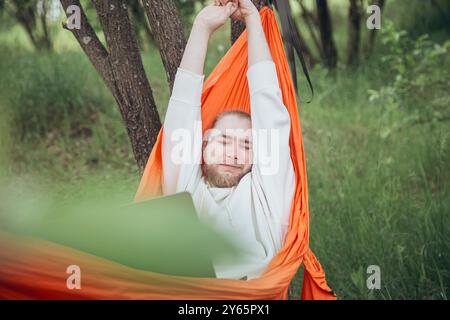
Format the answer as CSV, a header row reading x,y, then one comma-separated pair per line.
x,y
168,33
120,66
237,27
326,34
373,33
354,32
140,21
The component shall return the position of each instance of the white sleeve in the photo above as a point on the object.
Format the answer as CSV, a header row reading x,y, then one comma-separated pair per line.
x,y
273,171
182,135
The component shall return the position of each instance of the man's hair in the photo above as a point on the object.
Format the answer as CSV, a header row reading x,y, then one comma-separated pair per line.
x,y
234,112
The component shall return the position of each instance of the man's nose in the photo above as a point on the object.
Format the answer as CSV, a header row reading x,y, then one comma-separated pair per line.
x,y
233,152
233,155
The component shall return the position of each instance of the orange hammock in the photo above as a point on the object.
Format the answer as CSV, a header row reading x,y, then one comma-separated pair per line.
x,y
39,271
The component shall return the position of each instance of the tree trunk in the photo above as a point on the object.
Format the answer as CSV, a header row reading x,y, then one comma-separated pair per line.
x,y
168,33
312,24
140,21
26,14
46,42
373,33
123,72
354,32
237,27
326,34
27,20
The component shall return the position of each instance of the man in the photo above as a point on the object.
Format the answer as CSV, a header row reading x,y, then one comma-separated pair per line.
x,y
232,190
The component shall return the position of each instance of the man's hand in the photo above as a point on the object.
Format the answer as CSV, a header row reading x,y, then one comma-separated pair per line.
x,y
207,21
212,17
245,9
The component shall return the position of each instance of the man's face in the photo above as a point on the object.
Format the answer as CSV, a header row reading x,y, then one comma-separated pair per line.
x,y
228,154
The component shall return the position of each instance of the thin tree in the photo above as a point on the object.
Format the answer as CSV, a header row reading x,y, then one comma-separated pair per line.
x,y
312,24
373,33
33,20
140,22
120,66
330,55
354,32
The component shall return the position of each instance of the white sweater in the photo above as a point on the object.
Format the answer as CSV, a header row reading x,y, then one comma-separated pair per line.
x,y
255,213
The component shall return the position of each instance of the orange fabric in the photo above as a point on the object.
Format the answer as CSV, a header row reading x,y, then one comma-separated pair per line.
x,y
36,268
227,88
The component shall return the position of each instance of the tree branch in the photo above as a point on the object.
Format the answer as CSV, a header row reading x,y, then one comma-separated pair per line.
x,y
168,33
122,70
311,22
91,45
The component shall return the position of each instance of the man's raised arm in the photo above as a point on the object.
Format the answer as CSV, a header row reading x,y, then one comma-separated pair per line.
x,y
182,138
273,169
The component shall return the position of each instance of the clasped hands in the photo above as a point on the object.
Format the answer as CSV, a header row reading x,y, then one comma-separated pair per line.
x,y
214,16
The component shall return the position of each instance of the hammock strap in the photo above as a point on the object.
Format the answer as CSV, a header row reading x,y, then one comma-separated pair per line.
x,y
292,41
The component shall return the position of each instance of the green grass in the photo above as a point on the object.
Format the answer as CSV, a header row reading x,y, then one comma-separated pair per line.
x,y
375,199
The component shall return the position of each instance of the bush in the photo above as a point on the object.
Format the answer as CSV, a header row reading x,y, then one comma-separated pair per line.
x,y
51,92
419,17
417,92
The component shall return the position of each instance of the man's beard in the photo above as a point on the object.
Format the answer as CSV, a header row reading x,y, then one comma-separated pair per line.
x,y
221,179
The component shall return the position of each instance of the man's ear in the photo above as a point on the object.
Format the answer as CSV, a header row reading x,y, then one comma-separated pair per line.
x,y
205,140
207,135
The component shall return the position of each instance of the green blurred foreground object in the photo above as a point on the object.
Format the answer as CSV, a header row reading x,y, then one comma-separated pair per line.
x,y
160,235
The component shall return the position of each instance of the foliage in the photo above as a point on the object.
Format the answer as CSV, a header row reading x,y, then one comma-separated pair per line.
x,y
51,92
418,86
419,17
